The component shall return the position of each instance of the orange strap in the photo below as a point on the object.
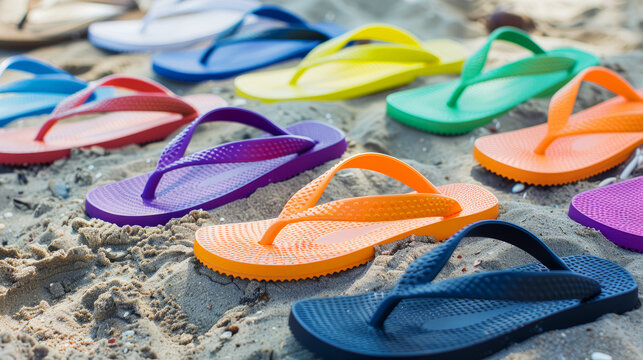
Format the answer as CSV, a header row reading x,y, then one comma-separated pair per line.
x,y
562,105
426,202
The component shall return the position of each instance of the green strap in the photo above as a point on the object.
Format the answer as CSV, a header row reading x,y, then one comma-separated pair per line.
x,y
471,72
539,64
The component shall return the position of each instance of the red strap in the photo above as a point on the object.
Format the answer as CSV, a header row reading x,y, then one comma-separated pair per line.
x,y
155,97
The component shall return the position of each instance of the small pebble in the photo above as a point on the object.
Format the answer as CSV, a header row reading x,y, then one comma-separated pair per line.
x,y
128,333
477,262
111,341
59,189
238,102
222,219
2,226
8,214
518,187
600,356
226,335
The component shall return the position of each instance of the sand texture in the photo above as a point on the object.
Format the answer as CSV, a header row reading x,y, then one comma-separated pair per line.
x,y
74,287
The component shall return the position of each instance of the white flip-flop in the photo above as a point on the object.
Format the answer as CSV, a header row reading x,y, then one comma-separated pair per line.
x,y
169,25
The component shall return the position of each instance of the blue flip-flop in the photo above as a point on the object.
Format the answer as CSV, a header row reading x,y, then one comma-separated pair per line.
x,y
237,50
39,94
467,317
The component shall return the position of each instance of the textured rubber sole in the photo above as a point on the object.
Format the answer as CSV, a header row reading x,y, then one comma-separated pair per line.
x,y
615,210
233,249
311,320
548,179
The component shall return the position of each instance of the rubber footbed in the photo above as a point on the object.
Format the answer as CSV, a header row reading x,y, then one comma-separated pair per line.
x,y
192,186
568,158
298,243
617,206
435,326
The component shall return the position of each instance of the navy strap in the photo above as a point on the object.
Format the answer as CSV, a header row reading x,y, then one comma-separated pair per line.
x,y
297,29
558,283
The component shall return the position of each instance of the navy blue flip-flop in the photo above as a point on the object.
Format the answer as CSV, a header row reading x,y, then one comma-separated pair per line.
x,y
39,94
237,50
467,317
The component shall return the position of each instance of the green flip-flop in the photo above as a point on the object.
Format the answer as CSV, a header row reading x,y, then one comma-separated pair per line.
x,y
478,97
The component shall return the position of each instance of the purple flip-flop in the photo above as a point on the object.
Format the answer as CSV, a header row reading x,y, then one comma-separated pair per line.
x,y
615,210
216,176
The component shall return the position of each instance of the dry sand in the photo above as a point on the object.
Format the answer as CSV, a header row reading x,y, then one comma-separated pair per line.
x,y
71,287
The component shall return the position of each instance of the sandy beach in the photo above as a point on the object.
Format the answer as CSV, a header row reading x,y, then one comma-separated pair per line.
x,y
75,287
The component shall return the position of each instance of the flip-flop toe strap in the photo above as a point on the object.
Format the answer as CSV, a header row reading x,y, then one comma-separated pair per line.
x,y
562,105
296,29
473,66
427,202
402,47
152,97
280,144
557,284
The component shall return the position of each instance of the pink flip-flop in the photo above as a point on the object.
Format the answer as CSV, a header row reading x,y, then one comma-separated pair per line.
x,y
615,210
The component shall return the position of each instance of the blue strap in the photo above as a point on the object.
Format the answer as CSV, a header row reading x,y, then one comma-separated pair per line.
x,y
30,65
48,78
297,30
44,84
558,283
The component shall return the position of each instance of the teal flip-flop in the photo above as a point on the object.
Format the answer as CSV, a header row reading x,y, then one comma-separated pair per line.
x,y
478,97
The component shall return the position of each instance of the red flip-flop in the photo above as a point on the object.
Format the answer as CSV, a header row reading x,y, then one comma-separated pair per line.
x,y
151,114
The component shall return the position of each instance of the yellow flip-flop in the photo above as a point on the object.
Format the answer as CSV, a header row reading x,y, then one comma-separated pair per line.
x,y
335,71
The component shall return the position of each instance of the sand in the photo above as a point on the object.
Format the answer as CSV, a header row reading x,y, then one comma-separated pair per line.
x,y
72,287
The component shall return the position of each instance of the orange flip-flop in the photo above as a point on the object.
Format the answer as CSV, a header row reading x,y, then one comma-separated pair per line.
x,y
570,147
306,240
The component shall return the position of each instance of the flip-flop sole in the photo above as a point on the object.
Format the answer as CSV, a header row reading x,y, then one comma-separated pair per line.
x,y
615,210
426,108
209,186
112,130
567,159
316,248
169,33
449,328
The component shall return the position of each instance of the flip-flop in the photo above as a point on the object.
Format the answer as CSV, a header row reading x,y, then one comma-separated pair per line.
x,y
468,317
39,94
170,25
216,176
615,210
306,241
42,24
332,71
131,119
570,147
233,53
478,97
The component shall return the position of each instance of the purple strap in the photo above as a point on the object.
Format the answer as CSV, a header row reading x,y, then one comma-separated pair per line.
x,y
281,144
